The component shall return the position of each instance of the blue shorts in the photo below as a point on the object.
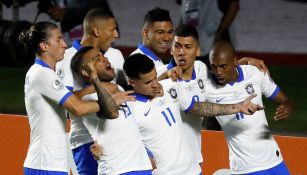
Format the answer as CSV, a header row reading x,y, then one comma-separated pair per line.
x,y
145,172
85,162
280,169
30,171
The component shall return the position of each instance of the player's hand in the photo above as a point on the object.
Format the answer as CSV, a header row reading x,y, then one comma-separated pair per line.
x,y
255,62
96,150
121,97
159,92
249,108
89,71
284,111
175,73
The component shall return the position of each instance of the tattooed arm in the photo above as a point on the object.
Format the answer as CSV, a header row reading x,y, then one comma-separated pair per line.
x,y
205,109
107,104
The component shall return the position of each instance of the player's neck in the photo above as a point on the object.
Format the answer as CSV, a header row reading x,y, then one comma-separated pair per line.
x,y
187,74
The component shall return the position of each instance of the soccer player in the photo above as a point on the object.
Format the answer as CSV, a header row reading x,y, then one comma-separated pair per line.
x,y
99,27
46,98
158,116
252,148
157,35
192,81
123,149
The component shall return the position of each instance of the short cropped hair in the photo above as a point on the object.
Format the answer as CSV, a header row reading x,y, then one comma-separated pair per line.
x,y
157,15
138,64
186,31
97,13
78,59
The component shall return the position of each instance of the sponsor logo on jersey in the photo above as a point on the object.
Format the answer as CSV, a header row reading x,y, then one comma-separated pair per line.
x,y
249,88
146,114
219,99
57,85
172,92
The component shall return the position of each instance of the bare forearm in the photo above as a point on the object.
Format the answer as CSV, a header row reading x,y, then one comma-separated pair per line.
x,y
205,109
107,104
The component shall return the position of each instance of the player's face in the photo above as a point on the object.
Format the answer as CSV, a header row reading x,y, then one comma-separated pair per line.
x,y
104,69
108,33
55,46
185,50
224,69
159,36
147,84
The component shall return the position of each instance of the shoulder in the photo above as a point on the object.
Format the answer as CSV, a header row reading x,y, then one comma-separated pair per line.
x,y
113,52
249,70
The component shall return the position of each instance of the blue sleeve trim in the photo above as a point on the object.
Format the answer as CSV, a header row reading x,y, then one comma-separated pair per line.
x,y
62,101
149,153
70,88
191,106
272,97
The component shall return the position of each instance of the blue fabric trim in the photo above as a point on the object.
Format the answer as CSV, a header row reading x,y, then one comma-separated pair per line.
x,y
149,153
240,78
193,76
41,62
171,64
71,89
76,44
30,171
191,106
272,97
147,52
64,98
144,172
140,97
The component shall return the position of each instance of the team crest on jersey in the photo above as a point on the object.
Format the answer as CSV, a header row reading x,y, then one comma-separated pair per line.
x,y
57,85
201,84
60,73
249,88
172,92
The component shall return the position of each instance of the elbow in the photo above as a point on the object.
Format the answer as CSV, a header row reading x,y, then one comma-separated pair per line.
x,y
108,115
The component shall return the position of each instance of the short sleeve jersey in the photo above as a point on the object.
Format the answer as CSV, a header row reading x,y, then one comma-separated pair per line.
x,y
251,145
44,95
162,132
123,149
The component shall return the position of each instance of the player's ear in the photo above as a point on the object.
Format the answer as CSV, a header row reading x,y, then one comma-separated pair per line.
x,y
235,61
198,51
96,31
131,83
43,46
145,33
84,73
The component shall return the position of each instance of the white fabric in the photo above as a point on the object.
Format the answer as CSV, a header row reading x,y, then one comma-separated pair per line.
x,y
43,93
79,135
157,63
162,132
251,145
123,150
190,92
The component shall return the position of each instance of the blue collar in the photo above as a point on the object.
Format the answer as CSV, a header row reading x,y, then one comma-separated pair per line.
x,y
173,64
240,78
148,52
41,62
140,97
76,44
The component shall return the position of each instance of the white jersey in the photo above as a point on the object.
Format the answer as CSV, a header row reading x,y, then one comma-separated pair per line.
x,y
162,132
79,135
142,49
123,149
191,91
44,95
251,145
